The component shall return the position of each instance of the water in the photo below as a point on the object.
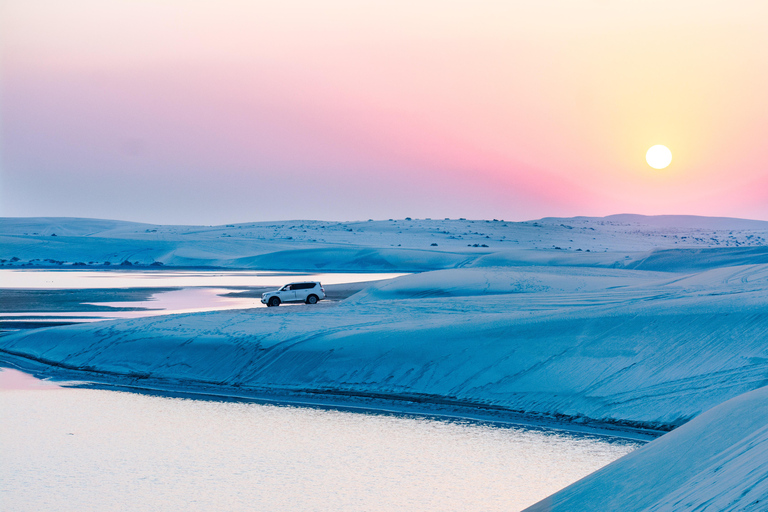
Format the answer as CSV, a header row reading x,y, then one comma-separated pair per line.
x,y
167,292
110,279
66,449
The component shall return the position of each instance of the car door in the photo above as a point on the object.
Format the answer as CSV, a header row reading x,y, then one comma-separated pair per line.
x,y
308,290
302,290
287,293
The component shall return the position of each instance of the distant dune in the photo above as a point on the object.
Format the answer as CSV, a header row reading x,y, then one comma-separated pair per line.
x,y
397,245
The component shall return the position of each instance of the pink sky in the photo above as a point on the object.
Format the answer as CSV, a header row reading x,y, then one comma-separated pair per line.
x,y
214,112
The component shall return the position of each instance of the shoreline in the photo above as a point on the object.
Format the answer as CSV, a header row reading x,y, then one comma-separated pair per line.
x,y
431,407
32,308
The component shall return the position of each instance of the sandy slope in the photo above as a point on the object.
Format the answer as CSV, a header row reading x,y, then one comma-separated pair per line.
x,y
603,344
717,462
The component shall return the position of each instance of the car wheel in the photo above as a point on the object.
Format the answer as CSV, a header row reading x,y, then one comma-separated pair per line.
x,y
274,301
312,299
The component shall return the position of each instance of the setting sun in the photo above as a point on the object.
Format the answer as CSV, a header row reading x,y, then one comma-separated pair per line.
x,y
658,156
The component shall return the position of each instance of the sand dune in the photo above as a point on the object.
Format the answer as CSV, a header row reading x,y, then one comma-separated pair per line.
x,y
625,320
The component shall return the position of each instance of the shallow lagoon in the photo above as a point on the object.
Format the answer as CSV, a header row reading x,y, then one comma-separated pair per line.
x,y
114,278
85,449
38,297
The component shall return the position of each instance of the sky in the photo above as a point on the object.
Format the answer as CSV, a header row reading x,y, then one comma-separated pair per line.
x,y
211,112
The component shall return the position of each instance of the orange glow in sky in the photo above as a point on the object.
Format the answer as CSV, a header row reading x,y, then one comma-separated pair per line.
x,y
516,110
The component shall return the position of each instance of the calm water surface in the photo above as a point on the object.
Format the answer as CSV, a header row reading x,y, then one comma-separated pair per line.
x,y
100,279
66,449
195,290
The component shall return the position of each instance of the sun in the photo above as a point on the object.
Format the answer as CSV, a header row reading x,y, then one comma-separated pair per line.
x,y
658,156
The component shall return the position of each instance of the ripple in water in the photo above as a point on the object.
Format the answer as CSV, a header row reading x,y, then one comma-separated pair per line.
x,y
79,450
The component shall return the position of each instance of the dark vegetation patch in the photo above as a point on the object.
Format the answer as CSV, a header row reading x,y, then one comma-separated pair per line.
x,y
49,301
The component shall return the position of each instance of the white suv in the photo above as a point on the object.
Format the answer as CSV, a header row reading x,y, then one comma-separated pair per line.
x,y
309,292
